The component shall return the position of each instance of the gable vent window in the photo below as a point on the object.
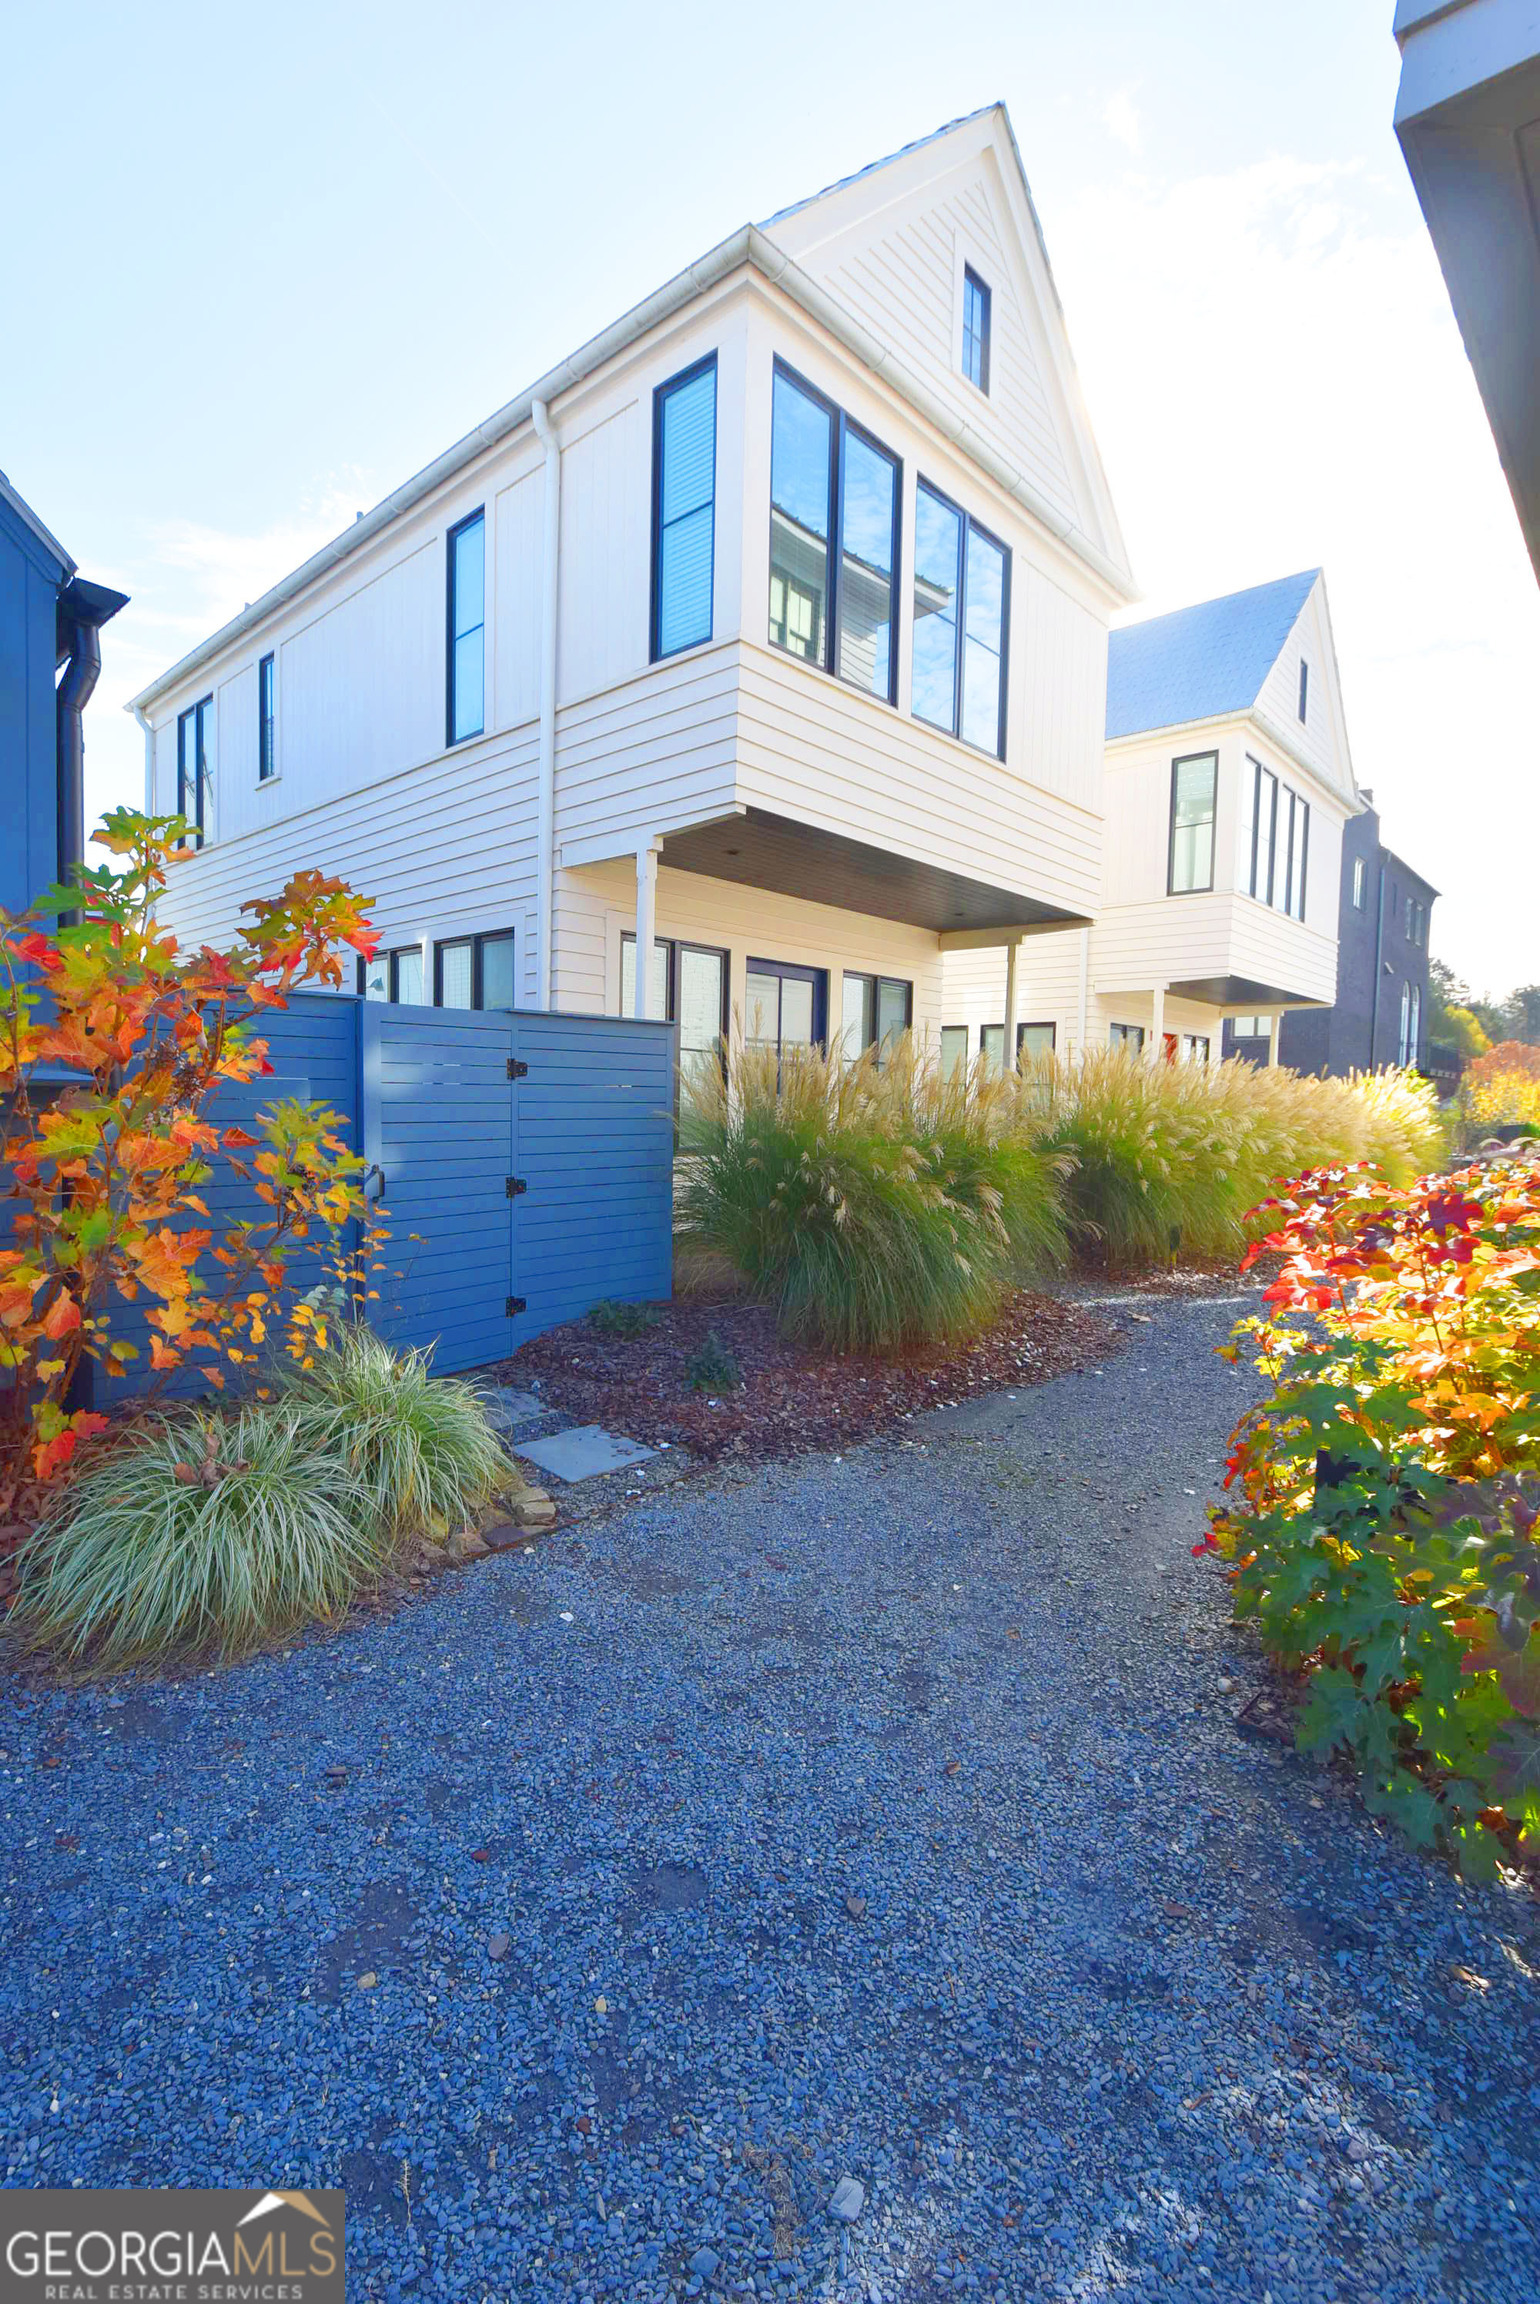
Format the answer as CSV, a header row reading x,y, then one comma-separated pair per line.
x,y
467,628
267,726
975,339
1304,688
962,591
684,467
834,511
1194,789
194,731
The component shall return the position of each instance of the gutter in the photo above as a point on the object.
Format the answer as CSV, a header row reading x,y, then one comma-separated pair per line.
x,y
749,245
545,832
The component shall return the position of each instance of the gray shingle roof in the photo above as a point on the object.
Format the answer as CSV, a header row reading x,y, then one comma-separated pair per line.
x,y
1202,661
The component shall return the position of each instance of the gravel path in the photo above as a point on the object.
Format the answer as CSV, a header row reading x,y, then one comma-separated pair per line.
x,y
880,1816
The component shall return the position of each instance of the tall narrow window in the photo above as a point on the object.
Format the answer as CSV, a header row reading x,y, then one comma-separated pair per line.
x,y
1360,881
684,457
785,1006
687,987
834,523
1267,833
975,343
954,1051
868,552
395,975
267,724
801,520
875,1012
1304,687
467,631
1415,1036
1246,826
193,730
1194,788
1406,1024
962,586
1301,856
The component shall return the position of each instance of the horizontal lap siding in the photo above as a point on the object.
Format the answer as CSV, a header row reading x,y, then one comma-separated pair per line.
x,y
1047,987
652,753
811,748
596,1150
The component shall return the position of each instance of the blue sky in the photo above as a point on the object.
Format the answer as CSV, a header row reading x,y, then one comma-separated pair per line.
x,y
259,266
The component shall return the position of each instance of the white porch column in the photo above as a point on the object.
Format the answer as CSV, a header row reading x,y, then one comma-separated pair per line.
x,y
1008,1048
646,921
1157,1024
1274,1031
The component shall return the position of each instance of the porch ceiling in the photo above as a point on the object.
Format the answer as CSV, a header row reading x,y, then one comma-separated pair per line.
x,y
1243,992
760,850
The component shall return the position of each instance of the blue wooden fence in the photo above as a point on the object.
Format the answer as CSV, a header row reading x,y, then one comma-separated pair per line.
x,y
525,1163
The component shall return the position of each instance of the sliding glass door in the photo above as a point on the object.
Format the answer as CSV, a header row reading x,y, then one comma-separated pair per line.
x,y
785,1006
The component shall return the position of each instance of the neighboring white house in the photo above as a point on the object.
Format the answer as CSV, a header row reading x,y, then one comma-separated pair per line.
x,y
1228,781
767,632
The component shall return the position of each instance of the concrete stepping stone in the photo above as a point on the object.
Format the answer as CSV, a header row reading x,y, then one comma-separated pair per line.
x,y
583,1452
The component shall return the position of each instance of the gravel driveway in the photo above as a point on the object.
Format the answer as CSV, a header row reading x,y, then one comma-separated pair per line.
x,y
880,1817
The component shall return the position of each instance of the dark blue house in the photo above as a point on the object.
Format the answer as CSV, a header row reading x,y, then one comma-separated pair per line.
x,y
50,656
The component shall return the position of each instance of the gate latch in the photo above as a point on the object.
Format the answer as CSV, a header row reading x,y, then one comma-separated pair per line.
x,y
517,1068
514,1186
512,1306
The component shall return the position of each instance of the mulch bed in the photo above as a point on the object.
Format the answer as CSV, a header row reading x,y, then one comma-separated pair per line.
x,y
792,1397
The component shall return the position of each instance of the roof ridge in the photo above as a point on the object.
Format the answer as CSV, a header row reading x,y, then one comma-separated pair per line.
x,y
902,152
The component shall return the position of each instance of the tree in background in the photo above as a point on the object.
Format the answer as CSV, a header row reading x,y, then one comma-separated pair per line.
x,y
1458,1019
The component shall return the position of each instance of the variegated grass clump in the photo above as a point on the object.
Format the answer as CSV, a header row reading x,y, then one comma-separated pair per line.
x,y
875,1205
204,1533
419,1448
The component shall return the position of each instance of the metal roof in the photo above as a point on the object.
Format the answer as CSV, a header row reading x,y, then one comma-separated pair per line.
x,y
1201,662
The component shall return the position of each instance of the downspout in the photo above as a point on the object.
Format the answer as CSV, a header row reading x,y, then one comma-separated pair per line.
x,y
545,833
1379,969
81,673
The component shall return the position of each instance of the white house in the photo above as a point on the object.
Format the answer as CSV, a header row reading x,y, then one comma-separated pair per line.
x,y
767,633
1228,781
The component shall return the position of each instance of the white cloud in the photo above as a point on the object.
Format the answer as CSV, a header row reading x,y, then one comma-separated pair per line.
x,y
1276,381
1120,118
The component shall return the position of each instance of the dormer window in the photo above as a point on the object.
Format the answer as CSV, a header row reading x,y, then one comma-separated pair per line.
x,y
1304,689
975,336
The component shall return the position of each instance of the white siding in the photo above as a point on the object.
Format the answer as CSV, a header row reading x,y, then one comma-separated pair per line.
x,y
1322,736
518,520
745,922
605,529
899,269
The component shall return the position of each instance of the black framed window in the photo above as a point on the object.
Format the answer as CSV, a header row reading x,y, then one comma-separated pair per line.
x,y
467,590
394,975
267,719
1126,1036
474,971
684,477
976,316
193,730
1194,796
1032,1040
875,1011
962,593
1279,823
1304,688
954,1050
689,987
836,499
1194,1047
1360,884
785,1005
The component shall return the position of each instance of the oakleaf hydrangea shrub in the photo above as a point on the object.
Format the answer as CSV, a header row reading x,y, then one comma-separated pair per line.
x,y
1383,1512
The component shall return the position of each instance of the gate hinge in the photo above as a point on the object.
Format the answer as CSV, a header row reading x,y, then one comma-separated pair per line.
x,y
517,1068
514,1185
513,1305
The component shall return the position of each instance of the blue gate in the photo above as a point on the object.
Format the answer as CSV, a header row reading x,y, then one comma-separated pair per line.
x,y
525,1163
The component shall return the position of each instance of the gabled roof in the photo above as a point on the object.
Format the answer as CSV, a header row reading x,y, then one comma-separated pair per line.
x,y
1201,662
751,245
